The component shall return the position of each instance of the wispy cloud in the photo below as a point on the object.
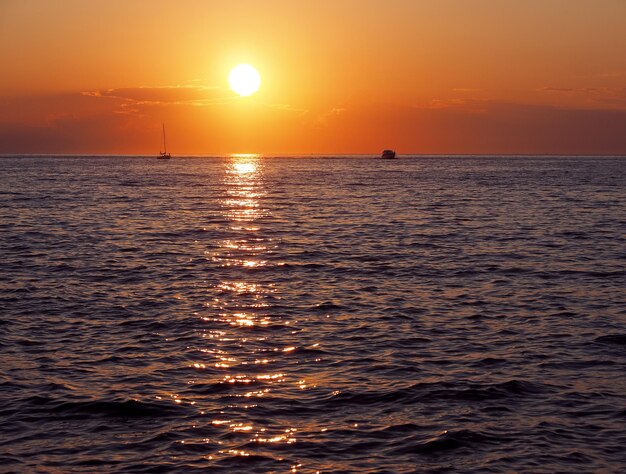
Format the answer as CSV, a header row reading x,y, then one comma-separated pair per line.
x,y
135,100
607,91
287,108
128,120
327,114
556,89
193,95
467,105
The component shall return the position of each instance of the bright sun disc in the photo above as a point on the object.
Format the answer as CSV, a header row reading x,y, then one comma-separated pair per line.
x,y
244,80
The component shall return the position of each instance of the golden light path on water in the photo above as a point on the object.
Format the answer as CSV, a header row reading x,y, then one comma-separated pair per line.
x,y
240,311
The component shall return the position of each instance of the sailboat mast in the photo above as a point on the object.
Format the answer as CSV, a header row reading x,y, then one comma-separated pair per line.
x,y
164,144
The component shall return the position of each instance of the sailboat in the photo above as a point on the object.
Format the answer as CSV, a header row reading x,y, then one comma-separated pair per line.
x,y
164,155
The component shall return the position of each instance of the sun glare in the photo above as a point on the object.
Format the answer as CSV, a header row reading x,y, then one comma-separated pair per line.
x,y
244,80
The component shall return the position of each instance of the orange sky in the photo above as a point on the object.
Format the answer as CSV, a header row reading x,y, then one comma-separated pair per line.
x,y
340,76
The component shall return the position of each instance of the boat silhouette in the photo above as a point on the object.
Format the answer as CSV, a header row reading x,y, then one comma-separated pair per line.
x,y
164,155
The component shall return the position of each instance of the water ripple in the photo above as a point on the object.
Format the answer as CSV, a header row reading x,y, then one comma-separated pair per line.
x,y
246,314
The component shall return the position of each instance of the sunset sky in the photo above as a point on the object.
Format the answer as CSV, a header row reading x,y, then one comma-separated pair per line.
x,y
338,76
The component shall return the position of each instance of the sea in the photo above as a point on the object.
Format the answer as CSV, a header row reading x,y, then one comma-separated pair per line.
x,y
251,314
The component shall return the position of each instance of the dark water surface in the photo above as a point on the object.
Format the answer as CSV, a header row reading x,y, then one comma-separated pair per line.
x,y
247,314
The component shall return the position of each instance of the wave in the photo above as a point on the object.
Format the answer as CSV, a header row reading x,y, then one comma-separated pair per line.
x,y
130,408
437,391
613,339
449,440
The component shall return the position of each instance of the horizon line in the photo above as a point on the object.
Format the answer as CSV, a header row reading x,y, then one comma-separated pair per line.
x,y
317,155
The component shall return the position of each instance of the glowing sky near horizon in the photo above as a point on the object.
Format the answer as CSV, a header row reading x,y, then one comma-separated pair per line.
x,y
345,76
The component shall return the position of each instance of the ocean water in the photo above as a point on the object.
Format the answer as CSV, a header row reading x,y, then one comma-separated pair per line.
x,y
251,314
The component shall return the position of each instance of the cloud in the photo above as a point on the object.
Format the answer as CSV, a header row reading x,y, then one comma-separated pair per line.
x,y
139,100
167,95
287,108
95,134
556,89
128,121
468,105
479,126
599,93
333,112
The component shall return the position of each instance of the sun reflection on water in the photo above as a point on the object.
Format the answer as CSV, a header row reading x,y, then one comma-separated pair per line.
x,y
241,307
243,352
244,167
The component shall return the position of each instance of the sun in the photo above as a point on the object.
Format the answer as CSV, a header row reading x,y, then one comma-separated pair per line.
x,y
244,80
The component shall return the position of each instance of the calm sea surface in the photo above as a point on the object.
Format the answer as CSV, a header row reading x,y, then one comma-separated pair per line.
x,y
249,314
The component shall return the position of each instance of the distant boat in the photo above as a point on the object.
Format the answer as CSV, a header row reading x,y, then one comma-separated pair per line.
x,y
164,155
388,155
